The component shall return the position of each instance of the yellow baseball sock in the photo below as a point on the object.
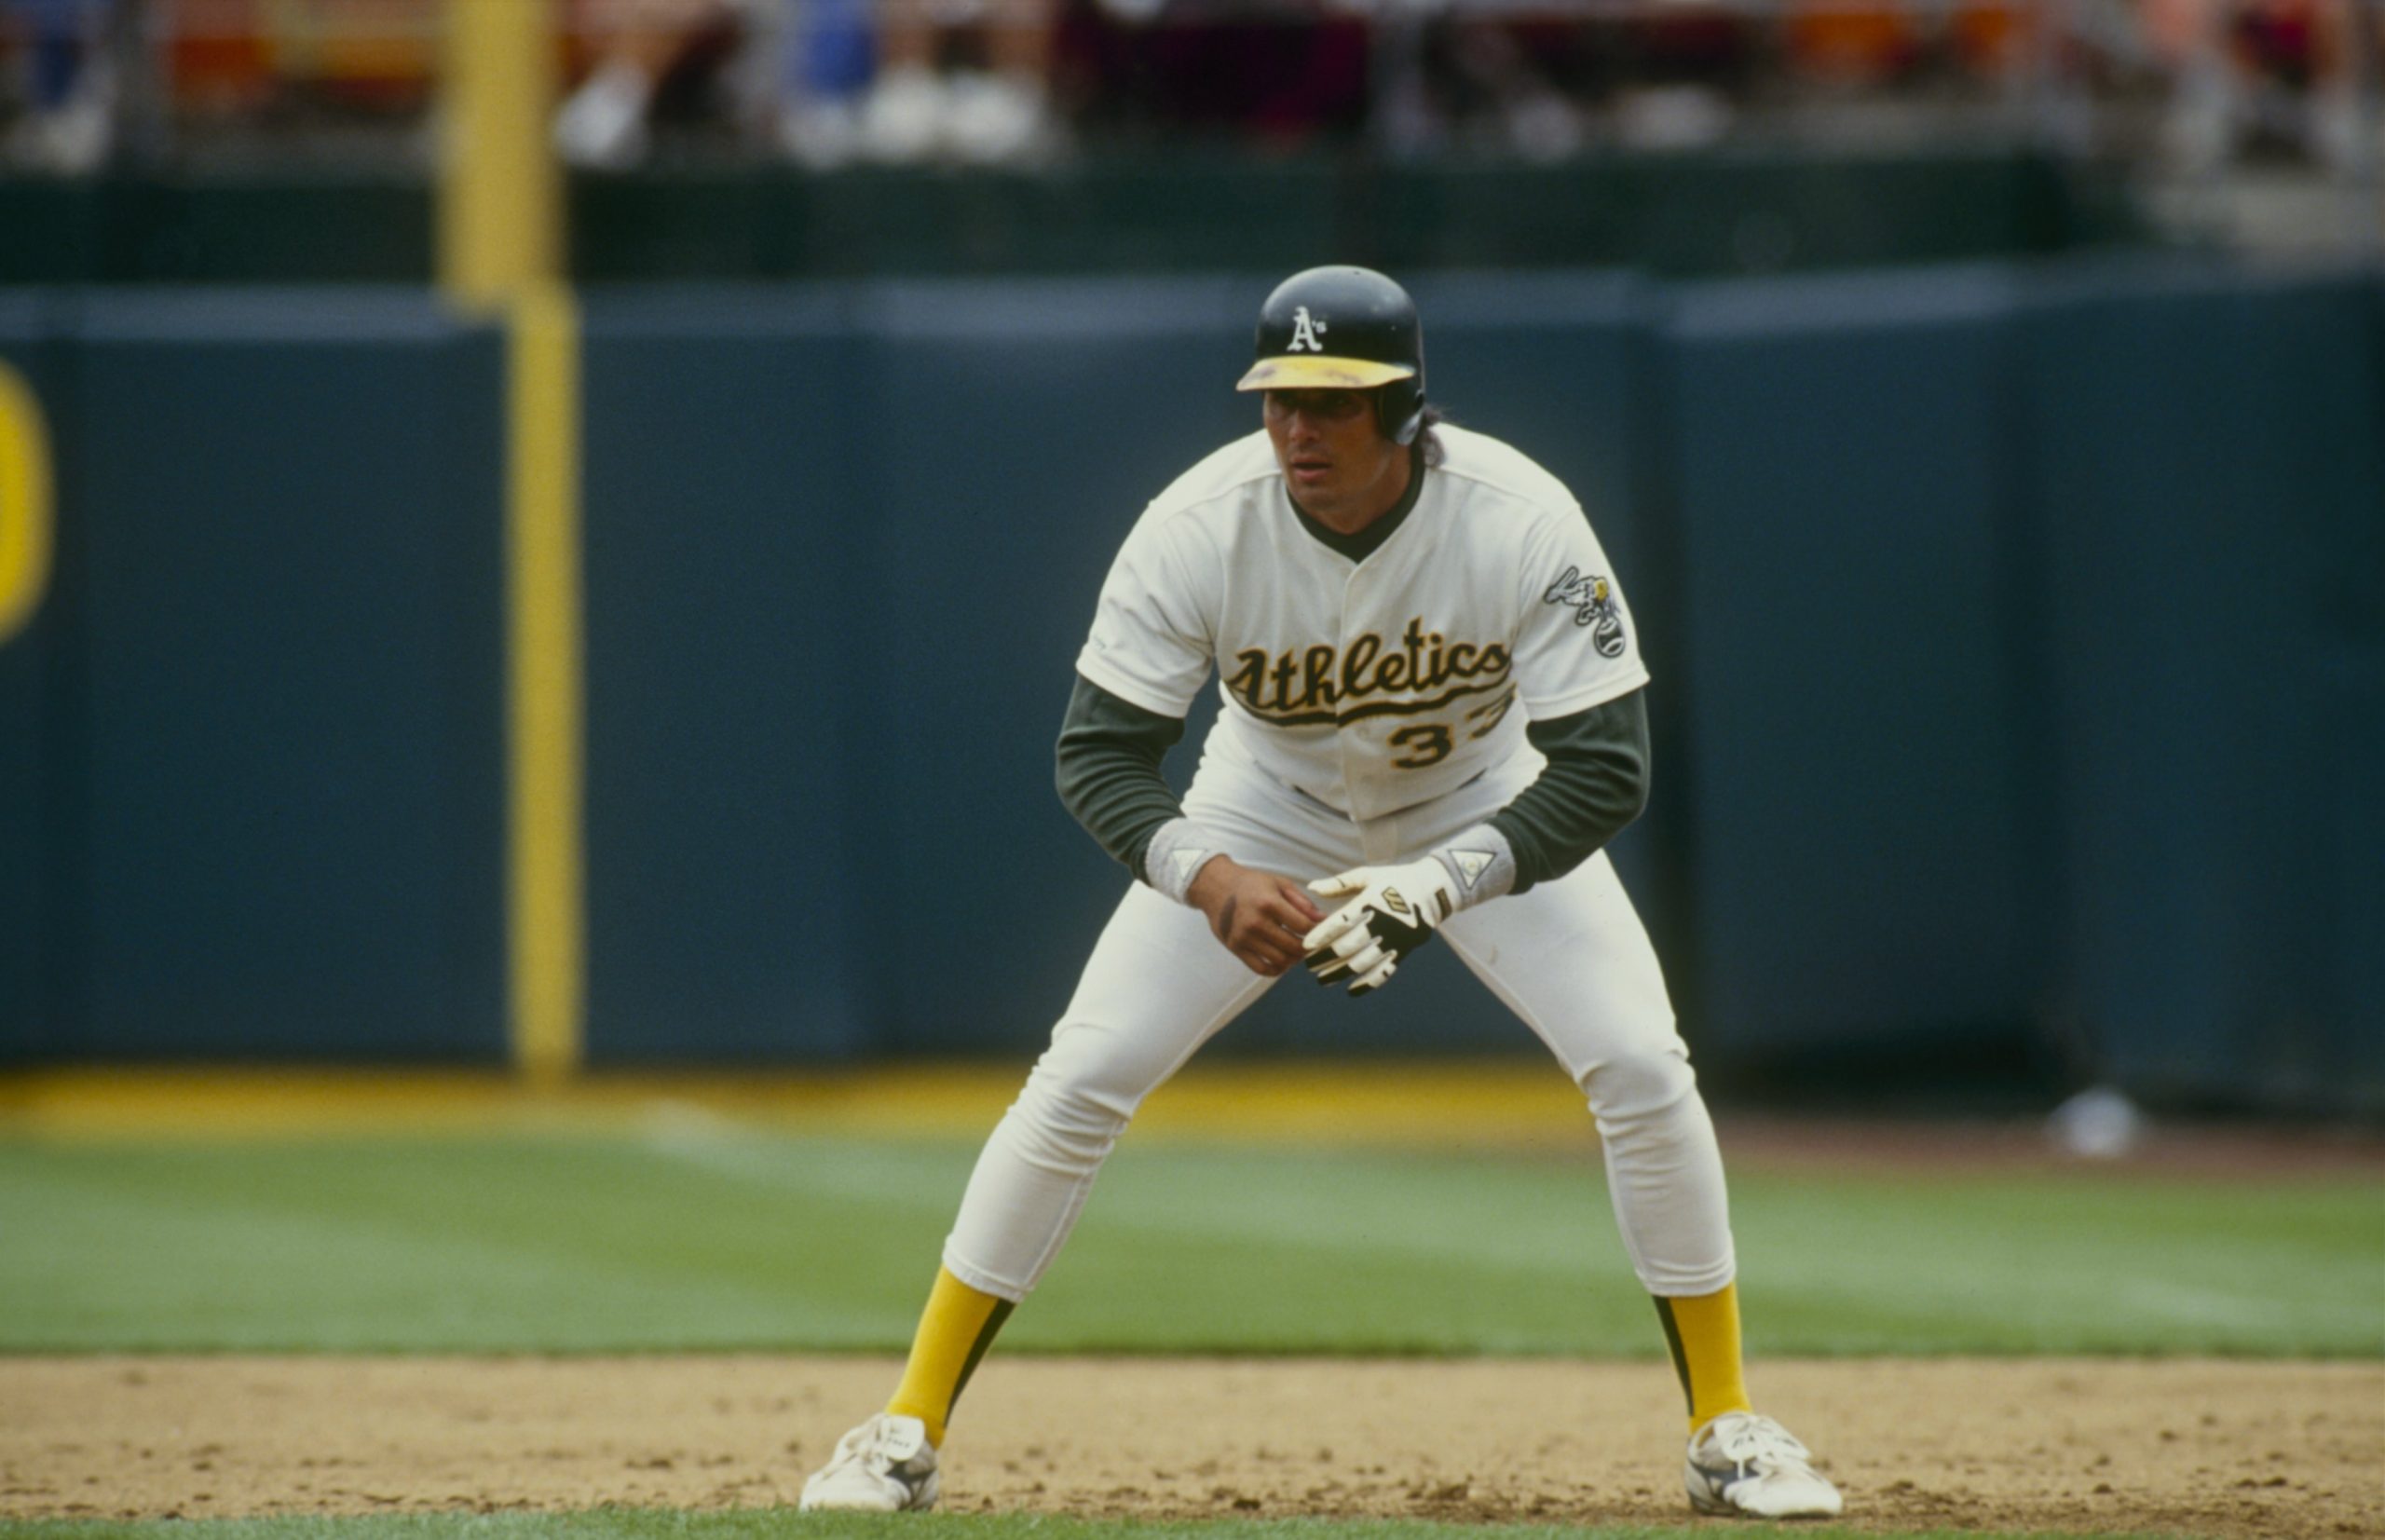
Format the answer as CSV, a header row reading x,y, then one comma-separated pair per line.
x,y
1704,1334
955,1331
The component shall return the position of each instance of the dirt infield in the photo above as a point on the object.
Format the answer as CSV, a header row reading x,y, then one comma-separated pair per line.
x,y
2221,1448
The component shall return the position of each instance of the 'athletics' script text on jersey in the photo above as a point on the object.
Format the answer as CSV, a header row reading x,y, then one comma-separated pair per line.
x,y
1326,683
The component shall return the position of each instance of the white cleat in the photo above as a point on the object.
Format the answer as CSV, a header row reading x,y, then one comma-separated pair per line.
x,y
885,1466
1748,1465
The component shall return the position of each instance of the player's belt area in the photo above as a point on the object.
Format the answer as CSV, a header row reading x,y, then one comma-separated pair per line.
x,y
1323,806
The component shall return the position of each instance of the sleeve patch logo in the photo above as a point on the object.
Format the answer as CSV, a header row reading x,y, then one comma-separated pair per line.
x,y
1592,601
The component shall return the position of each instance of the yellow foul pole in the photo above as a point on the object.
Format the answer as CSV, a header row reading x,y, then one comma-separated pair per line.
x,y
500,199
501,252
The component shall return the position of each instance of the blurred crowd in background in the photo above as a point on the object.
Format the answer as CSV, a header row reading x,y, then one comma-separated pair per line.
x,y
2188,84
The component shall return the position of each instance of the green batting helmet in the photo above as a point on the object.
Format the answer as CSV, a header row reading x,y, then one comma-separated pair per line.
x,y
1344,329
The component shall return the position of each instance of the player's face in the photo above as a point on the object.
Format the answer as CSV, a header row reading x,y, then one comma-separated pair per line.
x,y
1339,465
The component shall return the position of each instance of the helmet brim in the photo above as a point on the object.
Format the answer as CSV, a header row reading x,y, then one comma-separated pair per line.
x,y
1309,372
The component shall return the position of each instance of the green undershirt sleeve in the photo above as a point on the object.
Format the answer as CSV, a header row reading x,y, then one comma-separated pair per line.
x,y
1107,769
1596,784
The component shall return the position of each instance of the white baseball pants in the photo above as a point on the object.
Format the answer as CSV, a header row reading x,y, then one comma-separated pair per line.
x,y
1570,958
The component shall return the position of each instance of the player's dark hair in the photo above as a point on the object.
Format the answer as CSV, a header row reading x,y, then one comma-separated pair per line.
x,y
1426,440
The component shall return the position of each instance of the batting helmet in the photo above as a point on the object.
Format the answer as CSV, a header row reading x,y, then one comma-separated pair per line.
x,y
1344,329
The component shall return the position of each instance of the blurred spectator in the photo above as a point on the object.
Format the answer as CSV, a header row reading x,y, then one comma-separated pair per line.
x,y
1853,42
1538,85
826,83
827,60
68,86
308,77
967,81
2264,80
1274,75
648,58
1511,94
894,81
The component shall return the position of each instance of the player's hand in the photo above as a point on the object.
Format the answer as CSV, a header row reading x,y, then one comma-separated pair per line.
x,y
1390,912
1258,916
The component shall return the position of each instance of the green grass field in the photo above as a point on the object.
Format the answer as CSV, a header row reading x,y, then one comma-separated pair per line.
x,y
737,1240
714,1237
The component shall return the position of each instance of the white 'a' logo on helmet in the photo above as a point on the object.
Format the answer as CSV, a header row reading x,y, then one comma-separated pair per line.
x,y
1305,332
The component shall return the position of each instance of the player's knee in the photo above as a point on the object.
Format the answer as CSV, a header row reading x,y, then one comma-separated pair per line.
x,y
1076,1104
1640,1082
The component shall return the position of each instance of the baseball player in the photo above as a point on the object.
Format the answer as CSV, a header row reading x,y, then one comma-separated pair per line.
x,y
1432,723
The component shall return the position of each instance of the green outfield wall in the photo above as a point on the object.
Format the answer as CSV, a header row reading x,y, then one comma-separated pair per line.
x,y
2210,510
260,699
30,609
2018,635
1855,681
736,859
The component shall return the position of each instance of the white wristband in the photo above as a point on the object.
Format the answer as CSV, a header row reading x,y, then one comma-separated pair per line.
x,y
1180,848
1482,864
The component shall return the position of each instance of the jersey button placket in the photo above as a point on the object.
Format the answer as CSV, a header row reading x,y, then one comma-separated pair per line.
x,y
1358,786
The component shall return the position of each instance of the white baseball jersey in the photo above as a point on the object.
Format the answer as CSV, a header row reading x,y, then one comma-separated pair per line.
x,y
1369,685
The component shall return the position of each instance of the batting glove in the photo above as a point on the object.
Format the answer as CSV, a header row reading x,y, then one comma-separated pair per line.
x,y
1391,912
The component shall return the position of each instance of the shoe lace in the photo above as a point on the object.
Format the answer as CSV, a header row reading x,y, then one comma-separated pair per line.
x,y
857,1446
1758,1443
881,1452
